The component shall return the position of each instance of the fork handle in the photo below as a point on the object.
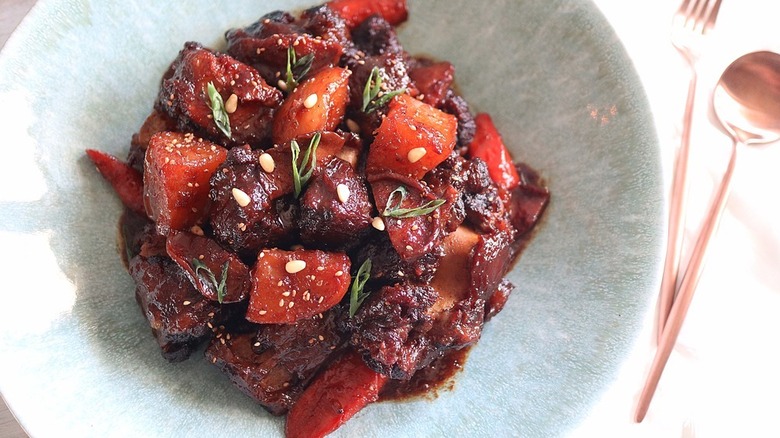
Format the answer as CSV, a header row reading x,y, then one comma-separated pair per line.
x,y
687,287
676,210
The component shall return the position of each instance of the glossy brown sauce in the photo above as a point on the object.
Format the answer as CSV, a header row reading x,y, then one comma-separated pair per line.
x,y
429,381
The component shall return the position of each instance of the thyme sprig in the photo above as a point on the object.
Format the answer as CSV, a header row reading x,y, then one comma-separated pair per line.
x,y
301,174
395,210
373,95
357,294
219,286
297,68
218,111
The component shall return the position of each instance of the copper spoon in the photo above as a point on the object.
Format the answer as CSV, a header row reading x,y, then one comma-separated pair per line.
x,y
746,102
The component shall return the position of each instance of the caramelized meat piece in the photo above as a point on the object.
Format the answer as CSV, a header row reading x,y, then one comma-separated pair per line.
x,y
457,106
375,36
387,266
434,80
414,236
177,313
395,76
269,54
184,96
484,207
390,329
335,208
275,365
497,301
322,21
248,211
204,263
528,200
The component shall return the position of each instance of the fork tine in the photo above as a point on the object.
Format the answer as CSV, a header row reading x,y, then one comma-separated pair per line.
x,y
712,17
694,18
683,9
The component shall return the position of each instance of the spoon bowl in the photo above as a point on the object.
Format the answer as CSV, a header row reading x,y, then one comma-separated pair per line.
x,y
746,100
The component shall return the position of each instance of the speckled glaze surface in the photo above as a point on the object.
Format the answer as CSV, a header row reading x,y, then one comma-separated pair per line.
x,y
77,356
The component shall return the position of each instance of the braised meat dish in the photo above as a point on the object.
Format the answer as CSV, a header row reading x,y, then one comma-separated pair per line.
x,y
320,210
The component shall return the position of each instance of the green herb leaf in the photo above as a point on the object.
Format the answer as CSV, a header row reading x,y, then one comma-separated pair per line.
x,y
220,287
301,177
372,100
395,210
296,68
217,106
357,295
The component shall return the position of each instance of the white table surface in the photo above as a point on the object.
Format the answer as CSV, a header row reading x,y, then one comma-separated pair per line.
x,y
723,378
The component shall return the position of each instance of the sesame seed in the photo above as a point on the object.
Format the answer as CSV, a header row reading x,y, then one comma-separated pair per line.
x,y
339,273
201,257
231,104
267,162
320,268
196,230
209,325
280,283
415,154
290,306
415,227
310,101
242,226
256,344
281,302
263,312
261,255
409,247
241,197
286,293
343,192
378,223
321,338
279,41
187,303
320,301
282,85
294,266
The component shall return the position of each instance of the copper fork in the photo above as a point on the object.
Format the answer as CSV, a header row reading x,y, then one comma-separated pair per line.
x,y
690,24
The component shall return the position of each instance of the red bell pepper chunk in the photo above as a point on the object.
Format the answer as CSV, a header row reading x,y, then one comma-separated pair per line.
x,y
488,146
333,397
355,11
127,182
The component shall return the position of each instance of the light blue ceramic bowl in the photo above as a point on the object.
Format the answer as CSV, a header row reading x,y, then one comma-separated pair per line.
x,y
77,355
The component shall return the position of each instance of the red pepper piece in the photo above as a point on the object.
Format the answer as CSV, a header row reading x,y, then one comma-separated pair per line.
x,y
127,182
335,395
490,148
355,11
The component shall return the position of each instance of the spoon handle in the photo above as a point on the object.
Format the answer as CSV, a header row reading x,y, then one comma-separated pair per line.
x,y
687,287
676,211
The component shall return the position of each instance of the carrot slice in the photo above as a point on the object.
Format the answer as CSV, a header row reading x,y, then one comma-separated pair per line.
x,y
335,395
